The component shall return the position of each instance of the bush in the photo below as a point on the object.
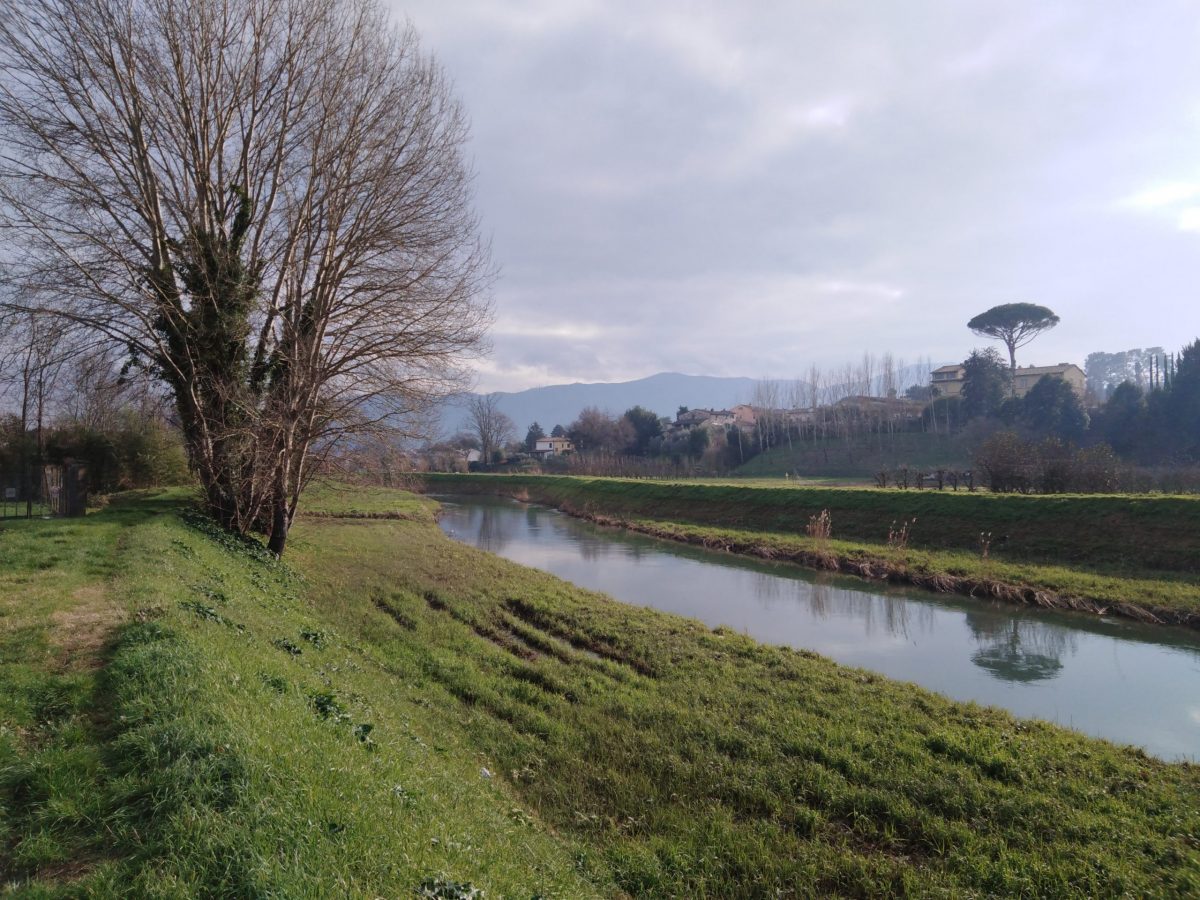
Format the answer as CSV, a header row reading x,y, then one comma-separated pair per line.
x,y
1004,460
1011,464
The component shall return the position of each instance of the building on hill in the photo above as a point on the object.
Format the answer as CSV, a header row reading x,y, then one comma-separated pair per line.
x,y
745,416
899,410
1028,376
693,417
552,446
948,380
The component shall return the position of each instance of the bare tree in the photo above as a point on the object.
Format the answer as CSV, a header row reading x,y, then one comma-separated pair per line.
x,y
38,347
264,201
492,427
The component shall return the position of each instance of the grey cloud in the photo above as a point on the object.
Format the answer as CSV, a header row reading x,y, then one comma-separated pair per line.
x,y
675,186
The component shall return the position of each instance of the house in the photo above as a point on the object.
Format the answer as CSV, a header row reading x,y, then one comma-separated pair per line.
x,y
1028,376
745,416
692,418
883,407
948,380
552,446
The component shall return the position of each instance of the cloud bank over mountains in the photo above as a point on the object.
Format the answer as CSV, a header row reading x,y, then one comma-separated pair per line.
x,y
747,189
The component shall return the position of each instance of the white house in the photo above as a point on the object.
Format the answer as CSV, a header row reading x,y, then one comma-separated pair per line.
x,y
552,446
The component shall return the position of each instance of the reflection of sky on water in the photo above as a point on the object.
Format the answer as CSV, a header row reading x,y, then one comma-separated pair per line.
x,y
1128,682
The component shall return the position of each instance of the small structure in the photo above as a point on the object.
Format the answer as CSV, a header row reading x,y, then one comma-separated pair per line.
x,y
552,446
709,418
883,407
47,490
745,416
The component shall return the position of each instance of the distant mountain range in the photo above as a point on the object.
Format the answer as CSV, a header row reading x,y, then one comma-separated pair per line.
x,y
560,404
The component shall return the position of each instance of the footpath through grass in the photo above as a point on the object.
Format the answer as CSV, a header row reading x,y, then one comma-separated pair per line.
x,y
321,728
1134,554
177,720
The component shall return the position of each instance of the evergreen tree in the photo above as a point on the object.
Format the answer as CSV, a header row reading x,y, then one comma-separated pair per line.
x,y
1052,408
532,436
985,384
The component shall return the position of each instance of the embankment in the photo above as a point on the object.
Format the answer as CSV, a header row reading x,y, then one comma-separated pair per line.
x,y
393,713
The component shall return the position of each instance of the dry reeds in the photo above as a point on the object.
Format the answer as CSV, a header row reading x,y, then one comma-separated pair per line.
x,y
820,529
897,538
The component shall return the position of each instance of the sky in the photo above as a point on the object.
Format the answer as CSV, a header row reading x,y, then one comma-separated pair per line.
x,y
754,188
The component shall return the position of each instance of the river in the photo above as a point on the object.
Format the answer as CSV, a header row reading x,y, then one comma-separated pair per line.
x,y
1108,677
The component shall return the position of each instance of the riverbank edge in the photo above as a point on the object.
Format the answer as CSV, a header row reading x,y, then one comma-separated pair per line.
x,y
849,558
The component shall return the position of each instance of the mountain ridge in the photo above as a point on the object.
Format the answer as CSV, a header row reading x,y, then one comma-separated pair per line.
x,y
560,404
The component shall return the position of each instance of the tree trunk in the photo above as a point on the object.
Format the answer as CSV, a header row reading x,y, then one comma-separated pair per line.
x,y
279,524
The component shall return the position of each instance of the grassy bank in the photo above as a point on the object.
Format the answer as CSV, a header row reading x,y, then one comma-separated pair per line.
x,y
699,763
210,737
178,720
1135,556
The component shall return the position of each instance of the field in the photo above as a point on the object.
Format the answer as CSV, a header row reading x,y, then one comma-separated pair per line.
x,y
390,713
859,458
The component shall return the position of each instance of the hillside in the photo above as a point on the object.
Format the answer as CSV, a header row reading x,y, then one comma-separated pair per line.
x,y
559,404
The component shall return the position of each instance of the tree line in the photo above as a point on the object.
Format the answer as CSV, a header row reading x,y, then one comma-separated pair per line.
x,y
65,398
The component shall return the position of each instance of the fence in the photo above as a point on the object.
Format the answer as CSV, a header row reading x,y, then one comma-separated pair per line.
x,y
43,491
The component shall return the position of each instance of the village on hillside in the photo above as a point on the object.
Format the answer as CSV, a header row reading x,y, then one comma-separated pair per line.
x,y
865,406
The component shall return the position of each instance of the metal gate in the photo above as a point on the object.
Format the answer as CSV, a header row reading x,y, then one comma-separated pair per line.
x,y
44,491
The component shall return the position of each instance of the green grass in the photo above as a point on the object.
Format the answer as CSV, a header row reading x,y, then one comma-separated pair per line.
x,y
1175,599
860,457
213,743
225,740
700,763
330,498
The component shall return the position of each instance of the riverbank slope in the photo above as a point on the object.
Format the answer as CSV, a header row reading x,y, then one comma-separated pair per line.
x,y
1137,556
390,709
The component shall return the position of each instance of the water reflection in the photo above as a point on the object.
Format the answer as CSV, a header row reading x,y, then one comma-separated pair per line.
x,y
1019,649
490,528
1102,677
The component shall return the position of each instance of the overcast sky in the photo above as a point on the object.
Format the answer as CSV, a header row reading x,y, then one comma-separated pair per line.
x,y
750,188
